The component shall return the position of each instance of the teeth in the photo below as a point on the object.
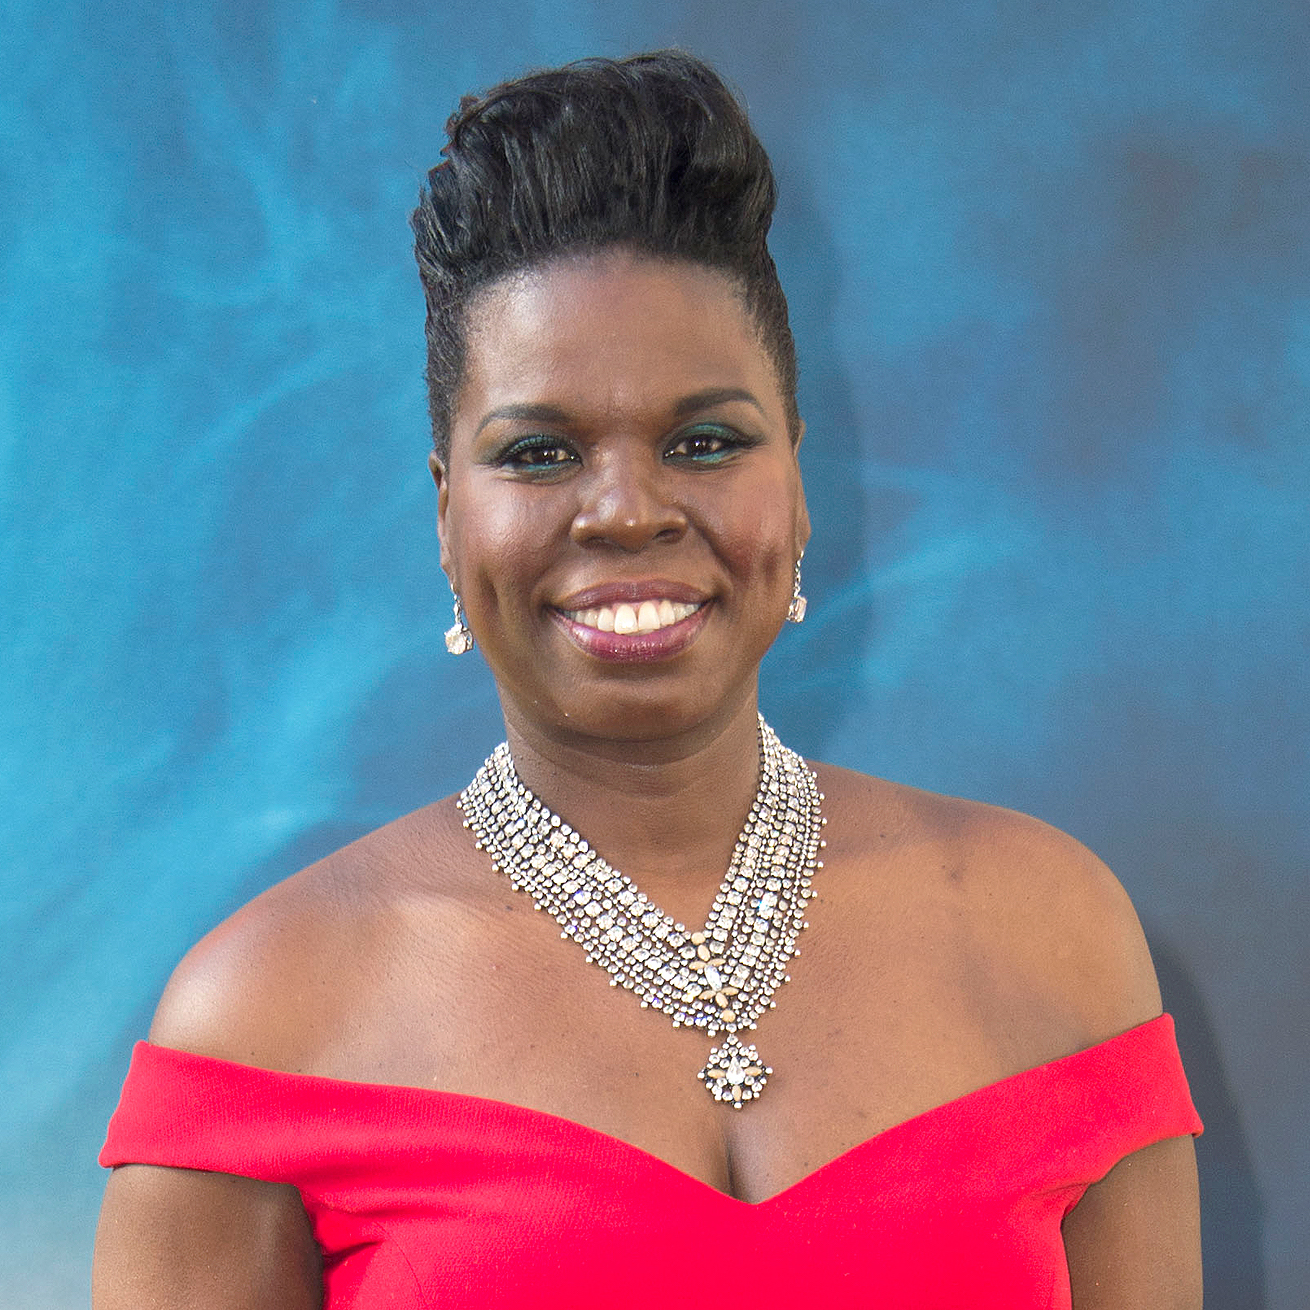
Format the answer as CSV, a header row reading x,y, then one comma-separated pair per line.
x,y
648,616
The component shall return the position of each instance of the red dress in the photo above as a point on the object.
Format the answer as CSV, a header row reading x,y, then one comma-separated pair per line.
x,y
424,1198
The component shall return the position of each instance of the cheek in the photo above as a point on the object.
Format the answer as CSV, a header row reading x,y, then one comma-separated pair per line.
x,y
759,542
498,543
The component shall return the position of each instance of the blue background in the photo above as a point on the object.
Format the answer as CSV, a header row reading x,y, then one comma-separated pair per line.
x,y
1049,265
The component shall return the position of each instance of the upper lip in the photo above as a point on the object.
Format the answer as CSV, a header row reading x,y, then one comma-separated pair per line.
x,y
630,593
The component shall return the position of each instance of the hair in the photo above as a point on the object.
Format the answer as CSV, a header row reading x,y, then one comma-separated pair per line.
x,y
652,153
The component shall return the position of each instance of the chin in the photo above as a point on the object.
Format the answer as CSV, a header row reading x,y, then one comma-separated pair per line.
x,y
634,717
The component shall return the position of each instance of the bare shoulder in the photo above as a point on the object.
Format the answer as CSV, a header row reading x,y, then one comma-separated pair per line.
x,y
272,982
1037,898
272,986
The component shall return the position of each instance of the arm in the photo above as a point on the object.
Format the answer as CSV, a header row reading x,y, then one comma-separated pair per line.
x,y
1134,1240
179,1239
187,1239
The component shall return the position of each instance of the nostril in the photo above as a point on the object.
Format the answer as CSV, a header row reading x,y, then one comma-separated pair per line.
x,y
631,516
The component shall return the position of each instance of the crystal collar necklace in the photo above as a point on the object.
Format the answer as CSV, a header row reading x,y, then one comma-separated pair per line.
x,y
721,978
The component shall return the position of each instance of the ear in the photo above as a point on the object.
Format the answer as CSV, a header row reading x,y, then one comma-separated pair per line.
x,y
803,513
802,526
440,477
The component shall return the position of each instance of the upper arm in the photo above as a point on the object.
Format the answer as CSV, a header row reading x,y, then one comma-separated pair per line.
x,y
181,1239
1134,1241
178,1237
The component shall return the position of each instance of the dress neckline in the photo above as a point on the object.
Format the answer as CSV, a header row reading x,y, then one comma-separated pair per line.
x,y
619,1146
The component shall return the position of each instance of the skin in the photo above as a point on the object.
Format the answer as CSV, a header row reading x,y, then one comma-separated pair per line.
x,y
951,944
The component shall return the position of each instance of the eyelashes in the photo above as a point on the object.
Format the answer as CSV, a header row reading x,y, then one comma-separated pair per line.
x,y
537,454
708,443
705,445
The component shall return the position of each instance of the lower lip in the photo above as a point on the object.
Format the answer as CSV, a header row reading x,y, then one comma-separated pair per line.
x,y
636,647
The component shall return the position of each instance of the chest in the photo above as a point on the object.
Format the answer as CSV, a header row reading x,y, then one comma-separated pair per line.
x,y
889,1012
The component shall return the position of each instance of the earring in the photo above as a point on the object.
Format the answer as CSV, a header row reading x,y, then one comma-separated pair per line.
x,y
796,610
459,640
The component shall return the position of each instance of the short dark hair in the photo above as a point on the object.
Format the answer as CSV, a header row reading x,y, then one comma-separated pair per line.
x,y
651,152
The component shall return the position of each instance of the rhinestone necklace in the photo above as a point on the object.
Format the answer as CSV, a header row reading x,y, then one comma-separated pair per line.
x,y
721,978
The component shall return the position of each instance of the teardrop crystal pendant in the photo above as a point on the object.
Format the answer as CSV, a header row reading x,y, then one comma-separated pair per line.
x,y
459,640
734,1073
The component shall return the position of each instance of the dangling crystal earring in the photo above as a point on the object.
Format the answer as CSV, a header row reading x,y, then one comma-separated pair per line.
x,y
796,610
459,640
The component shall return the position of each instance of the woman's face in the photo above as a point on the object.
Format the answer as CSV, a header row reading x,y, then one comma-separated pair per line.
x,y
622,507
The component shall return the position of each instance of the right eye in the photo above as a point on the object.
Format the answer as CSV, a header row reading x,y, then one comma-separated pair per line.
x,y
537,454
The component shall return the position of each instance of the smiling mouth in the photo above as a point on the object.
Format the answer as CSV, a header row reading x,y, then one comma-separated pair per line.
x,y
625,619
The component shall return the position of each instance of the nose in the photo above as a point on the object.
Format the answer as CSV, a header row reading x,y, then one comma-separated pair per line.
x,y
627,502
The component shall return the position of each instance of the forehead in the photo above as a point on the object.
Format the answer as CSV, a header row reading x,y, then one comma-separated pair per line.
x,y
611,332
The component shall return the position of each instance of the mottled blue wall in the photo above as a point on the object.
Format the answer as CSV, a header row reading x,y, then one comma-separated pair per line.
x,y
1050,271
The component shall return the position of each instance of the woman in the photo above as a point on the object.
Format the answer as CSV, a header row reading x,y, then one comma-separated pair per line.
x,y
395,1080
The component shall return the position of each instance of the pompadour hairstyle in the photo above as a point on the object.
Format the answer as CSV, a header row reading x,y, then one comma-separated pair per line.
x,y
651,153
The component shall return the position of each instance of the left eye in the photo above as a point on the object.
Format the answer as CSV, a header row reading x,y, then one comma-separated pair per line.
x,y
706,445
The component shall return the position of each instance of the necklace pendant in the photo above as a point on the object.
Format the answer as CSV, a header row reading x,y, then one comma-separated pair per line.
x,y
734,1073
720,978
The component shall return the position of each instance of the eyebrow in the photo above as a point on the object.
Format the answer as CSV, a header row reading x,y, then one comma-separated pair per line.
x,y
534,413
691,404
712,396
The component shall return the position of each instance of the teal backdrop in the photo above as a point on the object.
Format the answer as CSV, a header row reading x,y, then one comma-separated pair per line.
x,y
1049,265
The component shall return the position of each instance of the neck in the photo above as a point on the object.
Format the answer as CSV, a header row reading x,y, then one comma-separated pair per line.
x,y
665,811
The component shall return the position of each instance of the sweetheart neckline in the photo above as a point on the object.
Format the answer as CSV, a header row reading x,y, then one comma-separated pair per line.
x,y
623,1146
